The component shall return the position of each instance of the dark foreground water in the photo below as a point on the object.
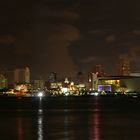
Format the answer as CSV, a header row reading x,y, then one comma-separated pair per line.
x,y
70,118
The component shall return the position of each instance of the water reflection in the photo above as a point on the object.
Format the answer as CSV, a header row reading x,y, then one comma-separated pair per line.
x,y
95,122
96,126
19,128
71,119
40,120
66,124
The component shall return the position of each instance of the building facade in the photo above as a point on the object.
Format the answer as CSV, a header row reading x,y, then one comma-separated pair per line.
x,y
119,84
3,82
22,75
124,66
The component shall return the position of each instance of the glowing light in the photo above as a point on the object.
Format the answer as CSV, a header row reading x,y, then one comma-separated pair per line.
x,y
40,94
40,127
66,94
72,83
40,119
104,88
66,80
89,80
64,90
96,93
95,123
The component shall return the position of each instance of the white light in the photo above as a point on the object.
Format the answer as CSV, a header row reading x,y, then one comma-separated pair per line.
x,y
66,94
40,94
64,90
96,93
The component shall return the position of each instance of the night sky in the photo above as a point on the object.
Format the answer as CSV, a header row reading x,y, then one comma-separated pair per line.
x,y
67,36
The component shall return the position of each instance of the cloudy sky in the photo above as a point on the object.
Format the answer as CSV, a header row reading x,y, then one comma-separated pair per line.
x,y
67,36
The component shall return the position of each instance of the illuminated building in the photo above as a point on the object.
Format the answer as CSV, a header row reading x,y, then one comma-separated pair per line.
x,y
55,85
3,81
93,77
22,75
124,66
21,88
119,84
52,77
93,81
38,84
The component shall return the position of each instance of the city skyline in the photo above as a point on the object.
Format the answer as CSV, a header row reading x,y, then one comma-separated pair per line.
x,y
69,36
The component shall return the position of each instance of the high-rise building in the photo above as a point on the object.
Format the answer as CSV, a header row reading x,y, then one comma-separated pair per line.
x,y
124,66
52,77
3,81
80,77
22,75
10,78
38,84
94,81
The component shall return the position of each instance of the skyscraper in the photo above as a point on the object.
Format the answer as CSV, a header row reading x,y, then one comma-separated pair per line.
x,y
124,66
10,78
3,81
22,75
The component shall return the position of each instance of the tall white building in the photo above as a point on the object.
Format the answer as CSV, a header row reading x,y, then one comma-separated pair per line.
x,y
22,75
94,80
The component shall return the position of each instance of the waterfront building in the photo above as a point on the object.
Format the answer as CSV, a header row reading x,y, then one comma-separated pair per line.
x,y
119,84
22,75
38,84
52,77
93,80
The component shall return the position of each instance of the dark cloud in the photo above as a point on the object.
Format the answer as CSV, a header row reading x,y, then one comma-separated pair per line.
x,y
54,32
49,13
7,39
71,34
110,38
106,45
58,42
136,32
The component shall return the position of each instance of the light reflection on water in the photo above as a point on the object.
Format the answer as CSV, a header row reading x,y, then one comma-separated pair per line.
x,y
87,119
20,128
40,121
95,122
66,125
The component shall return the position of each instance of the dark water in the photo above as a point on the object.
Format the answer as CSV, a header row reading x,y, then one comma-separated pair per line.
x,y
70,118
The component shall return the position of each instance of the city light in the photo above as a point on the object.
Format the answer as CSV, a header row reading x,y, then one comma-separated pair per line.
x,y
40,94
